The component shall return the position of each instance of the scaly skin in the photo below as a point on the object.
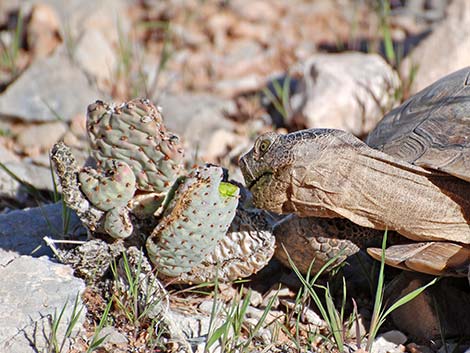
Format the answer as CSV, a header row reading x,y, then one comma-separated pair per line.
x,y
330,173
321,239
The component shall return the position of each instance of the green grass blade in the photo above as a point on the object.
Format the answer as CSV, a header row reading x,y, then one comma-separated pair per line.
x,y
409,297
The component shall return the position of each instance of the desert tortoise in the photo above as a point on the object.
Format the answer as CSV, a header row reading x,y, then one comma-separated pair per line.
x,y
412,176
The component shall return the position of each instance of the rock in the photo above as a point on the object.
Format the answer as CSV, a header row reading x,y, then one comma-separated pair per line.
x,y
35,139
95,55
309,316
32,292
22,231
382,345
258,11
111,335
43,30
414,348
256,298
348,91
54,87
194,328
222,142
433,53
6,155
394,336
194,117
38,176
443,306
79,15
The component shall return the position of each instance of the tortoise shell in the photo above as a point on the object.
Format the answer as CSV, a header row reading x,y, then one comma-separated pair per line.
x,y
432,128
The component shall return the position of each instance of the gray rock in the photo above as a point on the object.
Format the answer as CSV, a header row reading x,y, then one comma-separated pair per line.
x,y
432,55
7,155
383,345
22,231
51,88
31,292
38,176
111,335
77,15
348,91
194,117
95,55
394,336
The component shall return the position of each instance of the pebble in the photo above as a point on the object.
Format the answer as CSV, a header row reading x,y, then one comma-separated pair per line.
x,y
37,138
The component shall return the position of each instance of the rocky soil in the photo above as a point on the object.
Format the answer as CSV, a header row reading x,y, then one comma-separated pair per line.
x,y
223,72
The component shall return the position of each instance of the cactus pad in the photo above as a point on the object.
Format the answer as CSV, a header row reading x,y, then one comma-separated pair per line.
x,y
134,133
196,219
109,188
246,248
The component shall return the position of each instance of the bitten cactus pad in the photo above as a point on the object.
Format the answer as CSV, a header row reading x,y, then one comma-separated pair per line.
x,y
134,133
195,221
109,188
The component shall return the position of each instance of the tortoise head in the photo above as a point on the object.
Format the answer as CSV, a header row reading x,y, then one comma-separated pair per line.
x,y
264,169
268,166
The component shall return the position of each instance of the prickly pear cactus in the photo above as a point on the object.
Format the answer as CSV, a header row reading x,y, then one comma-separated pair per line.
x,y
198,217
134,133
136,189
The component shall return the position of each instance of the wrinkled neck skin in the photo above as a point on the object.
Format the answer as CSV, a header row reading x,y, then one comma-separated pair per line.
x,y
337,175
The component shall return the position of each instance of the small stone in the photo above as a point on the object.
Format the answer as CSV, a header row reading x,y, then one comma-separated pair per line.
x,y
382,345
258,11
256,298
221,143
284,292
194,117
43,30
362,327
6,155
394,336
95,55
37,138
38,176
78,125
111,335
22,231
414,348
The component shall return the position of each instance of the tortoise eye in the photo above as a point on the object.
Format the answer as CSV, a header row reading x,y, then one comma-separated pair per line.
x,y
264,145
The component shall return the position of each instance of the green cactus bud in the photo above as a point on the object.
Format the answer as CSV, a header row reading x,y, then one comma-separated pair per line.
x,y
117,223
134,133
110,188
194,222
